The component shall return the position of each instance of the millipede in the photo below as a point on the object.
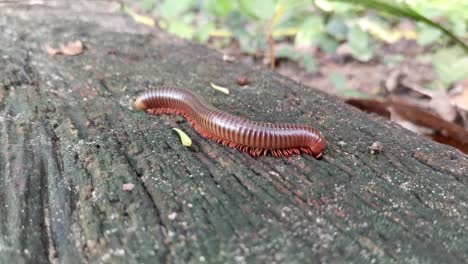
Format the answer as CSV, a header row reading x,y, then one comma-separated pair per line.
x,y
255,138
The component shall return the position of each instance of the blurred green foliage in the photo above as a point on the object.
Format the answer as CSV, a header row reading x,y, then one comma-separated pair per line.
x,y
301,24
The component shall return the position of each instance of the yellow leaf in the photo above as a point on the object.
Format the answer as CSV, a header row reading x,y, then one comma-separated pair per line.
x,y
220,88
285,32
186,141
143,19
221,32
276,16
380,32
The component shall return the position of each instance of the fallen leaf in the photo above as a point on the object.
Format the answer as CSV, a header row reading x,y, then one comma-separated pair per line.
x,y
228,58
69,49
50,50
143,19
397,83
172,216
461,100
393,81
441,104
72,48
184,138
220,88
128,187
398,116
416,119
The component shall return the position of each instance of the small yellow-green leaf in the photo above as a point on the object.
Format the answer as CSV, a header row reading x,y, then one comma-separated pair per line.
x,y
259,9
428,35
448,59
358,41
220,8
139,18
186,141
181,29
220,88
143,19
172,10
147,5
204,31
309,32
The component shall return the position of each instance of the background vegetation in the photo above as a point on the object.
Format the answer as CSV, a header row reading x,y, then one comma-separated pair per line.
x,y
273,29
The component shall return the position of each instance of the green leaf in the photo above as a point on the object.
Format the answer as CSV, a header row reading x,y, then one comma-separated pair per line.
x,y
305,59
258,9
355,93
220,8
180,29
146,5
428,35
309,63
451,65
337,28
171,9
404,10
359,44
289,53
432,86
459,24
236,23
126,9
309,32
328,43
204,31
339,81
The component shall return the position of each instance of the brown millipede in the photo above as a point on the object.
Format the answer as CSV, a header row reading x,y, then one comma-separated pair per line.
x,y
255,138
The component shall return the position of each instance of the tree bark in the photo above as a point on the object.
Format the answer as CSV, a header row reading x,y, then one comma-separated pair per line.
x,y
70,139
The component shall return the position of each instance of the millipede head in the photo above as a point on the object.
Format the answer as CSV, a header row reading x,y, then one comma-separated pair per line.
x,y
139,104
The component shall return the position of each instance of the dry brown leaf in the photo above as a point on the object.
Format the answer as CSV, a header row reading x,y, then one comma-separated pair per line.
x,y
403,121
393,81
415,90
50,50
70,49
416,119
461,100
441,104
398,83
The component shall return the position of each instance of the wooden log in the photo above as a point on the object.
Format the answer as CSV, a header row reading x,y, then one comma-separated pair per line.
x,y
71,140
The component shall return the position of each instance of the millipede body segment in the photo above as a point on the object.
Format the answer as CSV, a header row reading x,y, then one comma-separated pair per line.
x,y
255,138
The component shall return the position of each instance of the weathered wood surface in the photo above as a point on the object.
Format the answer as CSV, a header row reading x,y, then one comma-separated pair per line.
x,y
70,139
